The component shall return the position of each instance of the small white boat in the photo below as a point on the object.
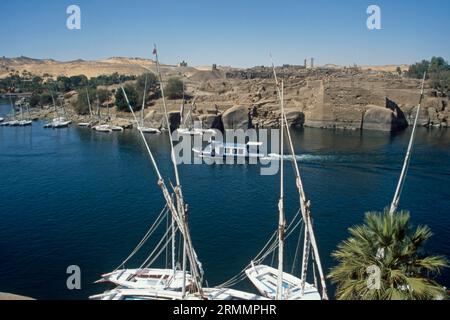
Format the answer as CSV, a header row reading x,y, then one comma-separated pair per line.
x,y
13,123
149,130
2,119
84,124
147,279
103,128
223,150
24,123
116,128
57,123
264,278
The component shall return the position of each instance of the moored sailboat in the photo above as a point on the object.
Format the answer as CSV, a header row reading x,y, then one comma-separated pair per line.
x,y
276,283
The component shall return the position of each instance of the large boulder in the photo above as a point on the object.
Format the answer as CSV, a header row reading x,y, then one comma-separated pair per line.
x,y
383,119
424,117
237,117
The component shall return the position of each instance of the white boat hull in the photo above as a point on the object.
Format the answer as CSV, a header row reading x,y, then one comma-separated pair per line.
x,y
148,279
149,130
265,279
145,294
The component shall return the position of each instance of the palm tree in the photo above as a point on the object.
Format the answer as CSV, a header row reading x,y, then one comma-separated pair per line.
x,y
384,260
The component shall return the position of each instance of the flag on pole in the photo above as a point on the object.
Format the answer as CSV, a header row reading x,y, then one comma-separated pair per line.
x,y
154,51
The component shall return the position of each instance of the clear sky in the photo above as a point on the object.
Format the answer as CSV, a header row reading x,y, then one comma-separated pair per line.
x,y
228,32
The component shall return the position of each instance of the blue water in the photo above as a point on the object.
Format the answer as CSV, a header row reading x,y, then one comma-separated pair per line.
x,y
77,197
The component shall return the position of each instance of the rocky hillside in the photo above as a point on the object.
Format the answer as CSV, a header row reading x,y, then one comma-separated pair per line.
x,y
334,97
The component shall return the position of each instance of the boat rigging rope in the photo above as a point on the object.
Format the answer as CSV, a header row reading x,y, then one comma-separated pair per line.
x,y
268,248
149,233
161,244
297,249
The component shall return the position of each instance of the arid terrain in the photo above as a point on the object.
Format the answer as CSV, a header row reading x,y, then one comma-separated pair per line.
x,y
367,98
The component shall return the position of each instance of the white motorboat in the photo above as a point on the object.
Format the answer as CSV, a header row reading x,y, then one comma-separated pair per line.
x,y
116,128
149,130
84,124
2,119
265,280
218,149
24,123
148,278
102,128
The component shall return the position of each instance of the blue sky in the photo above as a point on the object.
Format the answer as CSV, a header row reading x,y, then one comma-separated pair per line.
x,y
228,32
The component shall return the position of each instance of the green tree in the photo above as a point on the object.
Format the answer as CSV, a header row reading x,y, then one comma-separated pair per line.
x,y
104,95
390,244
174,88
133,98
46,99
34,100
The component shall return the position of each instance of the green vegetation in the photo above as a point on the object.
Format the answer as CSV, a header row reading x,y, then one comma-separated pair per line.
x,y
174,88
390,244
133,97
438,72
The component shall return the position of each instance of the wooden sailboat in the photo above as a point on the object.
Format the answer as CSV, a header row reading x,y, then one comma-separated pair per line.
x,y
275,283
190,285
59,121
187,127
24,122
14,122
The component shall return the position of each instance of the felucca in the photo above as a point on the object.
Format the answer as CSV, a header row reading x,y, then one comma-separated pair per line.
x,y
276,283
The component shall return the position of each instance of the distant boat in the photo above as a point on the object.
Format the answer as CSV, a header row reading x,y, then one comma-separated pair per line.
x,y
149,130
102,128
87,124
187,127
223,150
59,121
2,119
24,123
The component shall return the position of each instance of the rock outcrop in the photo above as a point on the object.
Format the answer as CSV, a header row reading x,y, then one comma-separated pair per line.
x,y
383,119
237,117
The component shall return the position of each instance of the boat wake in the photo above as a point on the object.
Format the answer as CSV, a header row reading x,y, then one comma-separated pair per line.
x,y
302,157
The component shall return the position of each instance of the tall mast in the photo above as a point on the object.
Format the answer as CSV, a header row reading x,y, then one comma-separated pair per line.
x,y
143,101
89,102
401,182
188,249
281,221
13,107
304,205
56,107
